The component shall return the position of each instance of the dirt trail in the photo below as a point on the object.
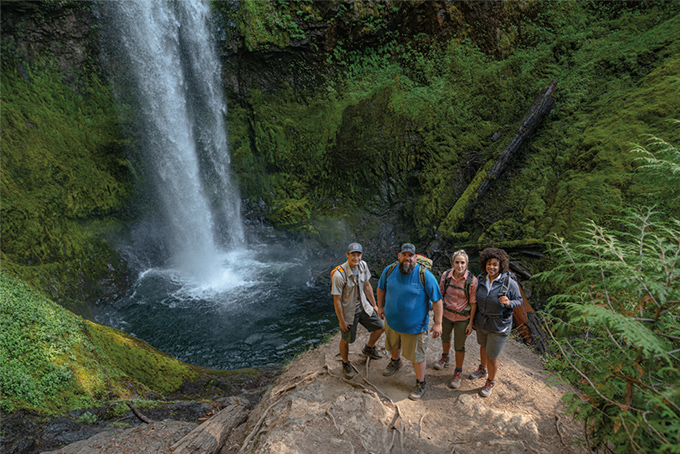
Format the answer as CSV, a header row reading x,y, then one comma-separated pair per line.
x,y
311,408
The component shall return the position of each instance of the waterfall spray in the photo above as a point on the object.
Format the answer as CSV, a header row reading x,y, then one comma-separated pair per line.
x,y
173,72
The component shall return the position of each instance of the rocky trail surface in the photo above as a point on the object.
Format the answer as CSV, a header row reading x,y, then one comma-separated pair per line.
x,y
312,408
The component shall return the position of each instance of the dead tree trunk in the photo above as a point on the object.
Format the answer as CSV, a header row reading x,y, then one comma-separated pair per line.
x,y
492,170
209,437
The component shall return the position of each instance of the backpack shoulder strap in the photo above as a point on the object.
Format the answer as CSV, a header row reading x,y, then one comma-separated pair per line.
x,y
468,283
504,287
390,269
447,280
421,275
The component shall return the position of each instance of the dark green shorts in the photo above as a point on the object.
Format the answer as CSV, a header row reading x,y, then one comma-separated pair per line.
x,y
370,322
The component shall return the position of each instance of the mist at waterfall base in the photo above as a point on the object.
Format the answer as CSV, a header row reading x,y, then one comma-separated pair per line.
x,y
259,308
203,295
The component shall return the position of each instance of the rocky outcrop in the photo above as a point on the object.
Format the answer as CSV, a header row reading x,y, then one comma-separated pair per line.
x,y
64,33
313,408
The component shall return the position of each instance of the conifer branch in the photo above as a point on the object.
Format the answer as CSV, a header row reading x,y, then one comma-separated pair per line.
x,y
650,388
584,376
659,437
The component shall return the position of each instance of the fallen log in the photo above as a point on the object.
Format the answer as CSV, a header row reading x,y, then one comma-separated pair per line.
x,y
209,437
495,166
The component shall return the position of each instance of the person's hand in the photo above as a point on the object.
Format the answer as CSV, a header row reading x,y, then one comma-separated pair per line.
x,y
381,313
504,300
436,330
468,328
344,326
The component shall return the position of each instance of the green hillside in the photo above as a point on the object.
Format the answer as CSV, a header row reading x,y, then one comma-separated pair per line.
x,y
406,122
52,360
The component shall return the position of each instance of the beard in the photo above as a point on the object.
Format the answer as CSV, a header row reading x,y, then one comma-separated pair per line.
x,y
406,267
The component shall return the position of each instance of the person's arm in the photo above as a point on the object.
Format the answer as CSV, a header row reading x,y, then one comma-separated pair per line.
x,y
381,303
338,311
368,290
473,307
438,307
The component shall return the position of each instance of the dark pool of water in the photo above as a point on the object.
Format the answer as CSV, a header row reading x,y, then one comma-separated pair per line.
x,y
255,310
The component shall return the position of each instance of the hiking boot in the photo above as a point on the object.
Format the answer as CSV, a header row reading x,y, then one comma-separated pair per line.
x,y
371,352
486,390
442,363
392,367
418,391
457,375
479,373
348,370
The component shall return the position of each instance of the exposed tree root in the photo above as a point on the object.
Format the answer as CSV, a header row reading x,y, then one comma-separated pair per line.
x,y
558,420
138,413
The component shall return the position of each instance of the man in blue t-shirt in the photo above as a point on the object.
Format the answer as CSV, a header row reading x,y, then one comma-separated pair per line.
x,y
404,304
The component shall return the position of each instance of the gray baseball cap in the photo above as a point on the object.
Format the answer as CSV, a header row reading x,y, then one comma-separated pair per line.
x,y
408,247
354,247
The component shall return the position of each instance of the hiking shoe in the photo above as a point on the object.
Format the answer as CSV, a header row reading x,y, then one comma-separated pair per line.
x,y
442,363
371,352
348,370
418,391
479,373
486,390
455,383
392,367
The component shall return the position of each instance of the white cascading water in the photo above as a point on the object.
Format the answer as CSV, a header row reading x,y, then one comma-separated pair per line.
x,y
217,303
175,71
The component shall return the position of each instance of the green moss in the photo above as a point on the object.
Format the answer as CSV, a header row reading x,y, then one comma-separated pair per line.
x,y
53,361
63,165
407,123
140,361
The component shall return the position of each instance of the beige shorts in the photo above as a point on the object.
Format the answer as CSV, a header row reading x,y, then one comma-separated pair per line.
x,y
413,346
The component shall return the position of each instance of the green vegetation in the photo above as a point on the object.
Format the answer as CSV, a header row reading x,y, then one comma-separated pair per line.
x,y
265,24
65,183
54,361
620,337
407,122
617,321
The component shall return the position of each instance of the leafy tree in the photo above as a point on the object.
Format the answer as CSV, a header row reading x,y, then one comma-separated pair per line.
x,y
617,338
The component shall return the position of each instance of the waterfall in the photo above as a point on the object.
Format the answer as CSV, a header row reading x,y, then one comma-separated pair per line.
x,y
167,63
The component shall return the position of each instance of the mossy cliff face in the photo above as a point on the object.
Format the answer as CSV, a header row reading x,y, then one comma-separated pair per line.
x,y
65,178
394,107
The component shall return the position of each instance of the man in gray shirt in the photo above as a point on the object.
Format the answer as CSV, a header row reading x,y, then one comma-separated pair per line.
x,y
355,303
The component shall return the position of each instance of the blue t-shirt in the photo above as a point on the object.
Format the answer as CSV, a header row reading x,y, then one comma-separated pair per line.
x,y
407,303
